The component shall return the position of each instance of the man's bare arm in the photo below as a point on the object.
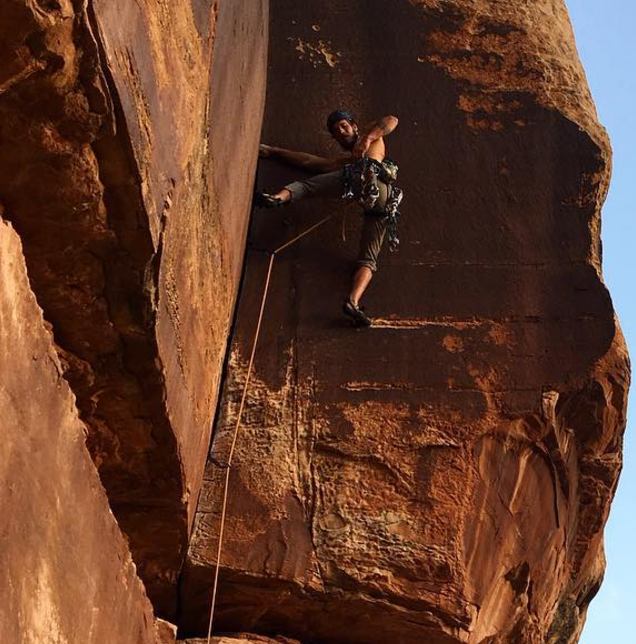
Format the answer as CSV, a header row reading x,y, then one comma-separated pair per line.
x,y
302,159
373,132
383,127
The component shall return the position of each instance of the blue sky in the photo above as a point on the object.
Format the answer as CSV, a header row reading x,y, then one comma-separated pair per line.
x,y
606,38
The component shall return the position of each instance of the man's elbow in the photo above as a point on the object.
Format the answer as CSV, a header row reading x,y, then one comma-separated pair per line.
x,y
387,124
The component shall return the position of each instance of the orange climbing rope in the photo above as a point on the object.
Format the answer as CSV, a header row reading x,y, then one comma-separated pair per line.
x,y
237,425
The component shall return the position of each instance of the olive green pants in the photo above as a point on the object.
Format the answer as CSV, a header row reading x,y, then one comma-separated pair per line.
x,y
371,240
331,184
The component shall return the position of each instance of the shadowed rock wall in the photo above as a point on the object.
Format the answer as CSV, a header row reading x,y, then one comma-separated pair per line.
x,y
444,476
67,573
128,138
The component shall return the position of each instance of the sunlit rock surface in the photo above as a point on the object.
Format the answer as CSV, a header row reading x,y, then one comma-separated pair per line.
x,y
129,133
444,476
67,573
241,638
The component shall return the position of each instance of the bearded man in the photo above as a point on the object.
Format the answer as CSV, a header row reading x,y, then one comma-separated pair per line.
x,y
363,174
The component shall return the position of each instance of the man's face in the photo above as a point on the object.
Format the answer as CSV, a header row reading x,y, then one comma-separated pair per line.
x,y
345,133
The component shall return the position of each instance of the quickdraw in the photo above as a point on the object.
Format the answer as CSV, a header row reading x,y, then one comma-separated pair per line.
x,y
393,216
362,177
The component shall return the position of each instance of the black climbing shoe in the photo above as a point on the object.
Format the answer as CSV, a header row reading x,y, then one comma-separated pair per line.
x,y
265,200
357,315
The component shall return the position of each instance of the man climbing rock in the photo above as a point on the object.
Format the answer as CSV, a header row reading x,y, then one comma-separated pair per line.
x,y
363,175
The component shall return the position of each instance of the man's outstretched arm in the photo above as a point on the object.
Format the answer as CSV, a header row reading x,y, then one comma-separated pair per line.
x,y
373,132
302,159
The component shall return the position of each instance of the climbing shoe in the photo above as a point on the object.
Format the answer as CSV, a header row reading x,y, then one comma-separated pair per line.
x,y
265,200
357,315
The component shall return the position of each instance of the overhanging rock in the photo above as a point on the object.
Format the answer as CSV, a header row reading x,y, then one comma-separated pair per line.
x,y
126,167
444,476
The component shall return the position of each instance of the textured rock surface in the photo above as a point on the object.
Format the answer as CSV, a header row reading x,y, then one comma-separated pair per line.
x,y
167,632
126,166
242,638
67,573
444,476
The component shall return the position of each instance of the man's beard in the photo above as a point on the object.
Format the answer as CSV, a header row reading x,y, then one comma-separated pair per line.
x,y
349,143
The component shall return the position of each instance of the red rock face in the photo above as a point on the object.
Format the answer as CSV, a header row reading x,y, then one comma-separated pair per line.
x,y
242,638
444,476
67,573
128,145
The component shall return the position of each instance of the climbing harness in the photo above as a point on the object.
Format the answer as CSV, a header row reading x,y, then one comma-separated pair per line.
x,y
362,177
227,465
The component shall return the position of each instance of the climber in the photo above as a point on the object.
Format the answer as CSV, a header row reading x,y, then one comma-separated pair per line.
x,y
362,174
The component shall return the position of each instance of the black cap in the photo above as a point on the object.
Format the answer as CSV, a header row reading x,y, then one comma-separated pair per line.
x,y
339,115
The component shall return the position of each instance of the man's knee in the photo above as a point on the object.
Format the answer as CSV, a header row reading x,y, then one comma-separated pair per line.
x,y
322,185
368,262
373,232
298,190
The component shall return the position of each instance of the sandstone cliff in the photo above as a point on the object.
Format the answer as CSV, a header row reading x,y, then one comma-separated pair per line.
x,y
115,169
67,574
442,477
445,475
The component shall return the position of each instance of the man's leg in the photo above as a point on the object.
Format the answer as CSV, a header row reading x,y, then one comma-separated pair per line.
x,y
361,279
373,232
329,184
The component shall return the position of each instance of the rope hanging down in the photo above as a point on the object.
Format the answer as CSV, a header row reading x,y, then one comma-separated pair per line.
x,y
227,465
